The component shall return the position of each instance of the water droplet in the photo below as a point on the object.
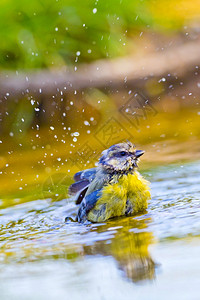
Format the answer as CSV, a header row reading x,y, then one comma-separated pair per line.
x,y
86,123
76,133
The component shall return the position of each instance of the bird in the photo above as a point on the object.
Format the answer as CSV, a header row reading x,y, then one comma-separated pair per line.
x,y
112,189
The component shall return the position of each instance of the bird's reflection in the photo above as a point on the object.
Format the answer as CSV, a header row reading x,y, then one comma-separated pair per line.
x,y
128,245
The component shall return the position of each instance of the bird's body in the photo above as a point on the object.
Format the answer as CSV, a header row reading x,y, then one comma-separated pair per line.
x,y
114,188
123,196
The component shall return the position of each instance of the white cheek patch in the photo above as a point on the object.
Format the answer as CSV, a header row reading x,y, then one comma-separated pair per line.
x,y
113,162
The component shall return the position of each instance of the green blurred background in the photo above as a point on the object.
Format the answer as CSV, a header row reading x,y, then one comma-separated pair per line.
x,y
48,34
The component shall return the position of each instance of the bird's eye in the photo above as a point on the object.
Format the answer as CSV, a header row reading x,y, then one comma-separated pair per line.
x,y
122,153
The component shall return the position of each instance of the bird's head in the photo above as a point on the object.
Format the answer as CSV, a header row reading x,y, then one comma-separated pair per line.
x,y
120,158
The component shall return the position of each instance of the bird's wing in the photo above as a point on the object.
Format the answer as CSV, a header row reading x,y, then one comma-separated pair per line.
x,y
87,204
78,186
96,184
78,189
81,184
91,196
88,174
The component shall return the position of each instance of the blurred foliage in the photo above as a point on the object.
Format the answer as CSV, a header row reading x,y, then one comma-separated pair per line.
x,y
53,33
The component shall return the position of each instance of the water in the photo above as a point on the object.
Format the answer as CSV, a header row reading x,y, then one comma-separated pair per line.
x,y
151,256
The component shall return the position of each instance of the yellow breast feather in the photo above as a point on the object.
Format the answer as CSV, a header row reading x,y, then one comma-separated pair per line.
x,y
129,195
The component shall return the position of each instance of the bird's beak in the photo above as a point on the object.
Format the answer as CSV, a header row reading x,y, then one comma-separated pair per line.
x,y
139,153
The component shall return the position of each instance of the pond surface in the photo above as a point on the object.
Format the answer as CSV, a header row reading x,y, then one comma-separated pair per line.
x,y
151,256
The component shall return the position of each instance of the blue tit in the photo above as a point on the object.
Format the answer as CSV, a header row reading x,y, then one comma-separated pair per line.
x,y
114,188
